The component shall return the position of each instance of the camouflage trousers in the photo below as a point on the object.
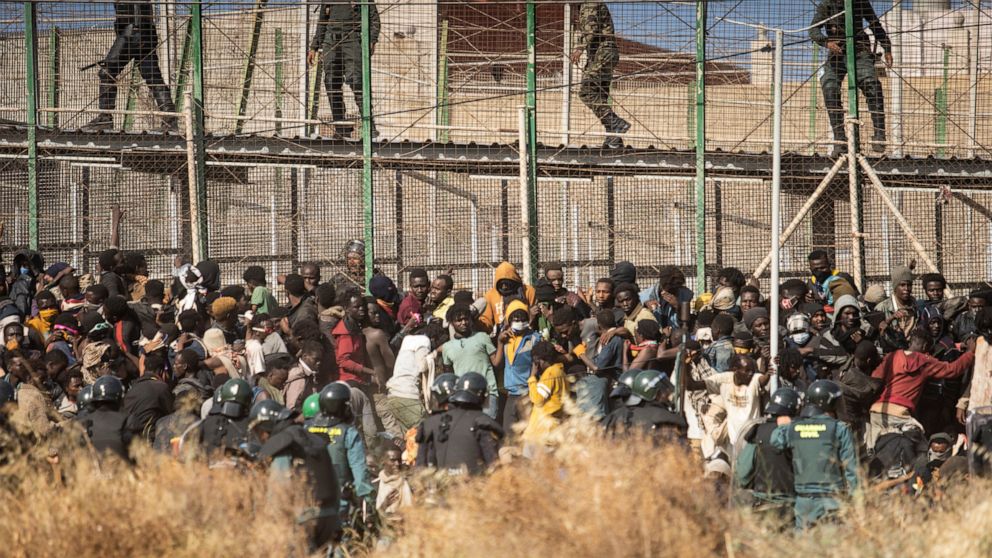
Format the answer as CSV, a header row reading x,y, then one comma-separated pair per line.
x,y
597,78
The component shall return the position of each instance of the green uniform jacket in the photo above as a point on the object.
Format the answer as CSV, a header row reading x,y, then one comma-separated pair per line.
x,y
833,30
824,457
343,16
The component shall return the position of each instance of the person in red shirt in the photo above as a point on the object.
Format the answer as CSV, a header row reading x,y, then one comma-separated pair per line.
x,y
349,342
413,303
903,373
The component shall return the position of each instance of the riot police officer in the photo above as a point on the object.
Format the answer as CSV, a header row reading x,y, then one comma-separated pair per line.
x,y
84,402
824,455
311,409
462,439
136,39
344,444
647,409
763,469
339,40
290,448
106,426
225,429
442,388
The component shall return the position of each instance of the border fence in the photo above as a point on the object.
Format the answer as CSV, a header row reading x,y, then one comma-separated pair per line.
x,y
485,150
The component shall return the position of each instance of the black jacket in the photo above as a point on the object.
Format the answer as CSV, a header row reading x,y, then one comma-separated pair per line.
x,y
148,400
460,438
107,431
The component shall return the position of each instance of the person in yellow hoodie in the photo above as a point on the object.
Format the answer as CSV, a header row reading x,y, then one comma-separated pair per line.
x,y
547,390
507,285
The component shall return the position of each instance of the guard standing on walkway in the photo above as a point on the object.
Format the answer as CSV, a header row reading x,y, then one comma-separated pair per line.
x,y
334,423
824,455
765,470
136,39
598,40
339,41
829,32
462,439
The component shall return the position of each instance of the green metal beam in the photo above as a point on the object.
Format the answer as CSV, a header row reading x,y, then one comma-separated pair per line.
x,y
940,100
368,207
443,110
249,67
54,61
857,196
199,147
131,100
313,103
182,74
532,237
279,81
814,97
31,86
701,145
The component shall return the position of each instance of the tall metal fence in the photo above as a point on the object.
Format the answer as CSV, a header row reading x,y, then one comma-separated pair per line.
x,y
254,174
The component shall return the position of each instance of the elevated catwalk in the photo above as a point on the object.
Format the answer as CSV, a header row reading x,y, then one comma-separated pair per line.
x,y
165,153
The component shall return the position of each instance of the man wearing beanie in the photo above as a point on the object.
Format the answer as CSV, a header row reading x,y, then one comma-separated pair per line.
x,y
900,309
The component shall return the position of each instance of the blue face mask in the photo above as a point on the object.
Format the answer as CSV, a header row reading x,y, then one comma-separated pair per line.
x,y
25,271
800,338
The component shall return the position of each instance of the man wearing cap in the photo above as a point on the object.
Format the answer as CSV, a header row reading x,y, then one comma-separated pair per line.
x,y
224,311
926,466
900,309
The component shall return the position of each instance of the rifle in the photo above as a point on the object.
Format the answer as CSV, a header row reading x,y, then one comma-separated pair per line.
x,y
115,49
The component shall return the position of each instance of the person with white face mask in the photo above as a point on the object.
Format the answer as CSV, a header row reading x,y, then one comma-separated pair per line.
x,y
515,343
798,329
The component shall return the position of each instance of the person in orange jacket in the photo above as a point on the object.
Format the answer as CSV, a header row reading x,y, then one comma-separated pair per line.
x,y
507,285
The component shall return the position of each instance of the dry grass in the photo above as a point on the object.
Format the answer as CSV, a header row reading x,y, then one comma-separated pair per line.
x,y
589,498
160,508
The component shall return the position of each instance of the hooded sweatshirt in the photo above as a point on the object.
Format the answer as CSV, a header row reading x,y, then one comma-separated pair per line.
x,y
495,304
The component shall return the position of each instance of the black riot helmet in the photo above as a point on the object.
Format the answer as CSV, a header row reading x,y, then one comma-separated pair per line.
x,y
822,395
266,414
443,386
785,402
335,401
235,398
107,389
470,390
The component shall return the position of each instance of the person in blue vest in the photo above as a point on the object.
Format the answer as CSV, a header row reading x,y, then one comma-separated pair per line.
x,y
824,455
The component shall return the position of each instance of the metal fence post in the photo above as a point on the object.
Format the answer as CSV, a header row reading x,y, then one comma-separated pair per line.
x,y
31,85
54,61
199,148
368,209
701,145
776,197
531,100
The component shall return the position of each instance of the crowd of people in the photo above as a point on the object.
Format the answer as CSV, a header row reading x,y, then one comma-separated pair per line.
x,y
360,383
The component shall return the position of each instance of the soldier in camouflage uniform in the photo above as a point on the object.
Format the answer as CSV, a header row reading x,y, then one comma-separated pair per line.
x,y
339,41
832,36
598,41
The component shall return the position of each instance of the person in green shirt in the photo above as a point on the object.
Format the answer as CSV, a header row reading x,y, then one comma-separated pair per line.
x,y
262,301
471,351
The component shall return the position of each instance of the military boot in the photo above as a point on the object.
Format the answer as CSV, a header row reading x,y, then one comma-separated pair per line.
x,y
613,142
101,122
614,124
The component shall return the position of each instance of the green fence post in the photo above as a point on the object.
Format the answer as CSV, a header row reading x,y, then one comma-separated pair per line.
x,y
31,86
443,112
940,101
814,98
368,207
279,81
532,137
196,59
249,67
701,145
690,114
181,77
131,100
54,61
